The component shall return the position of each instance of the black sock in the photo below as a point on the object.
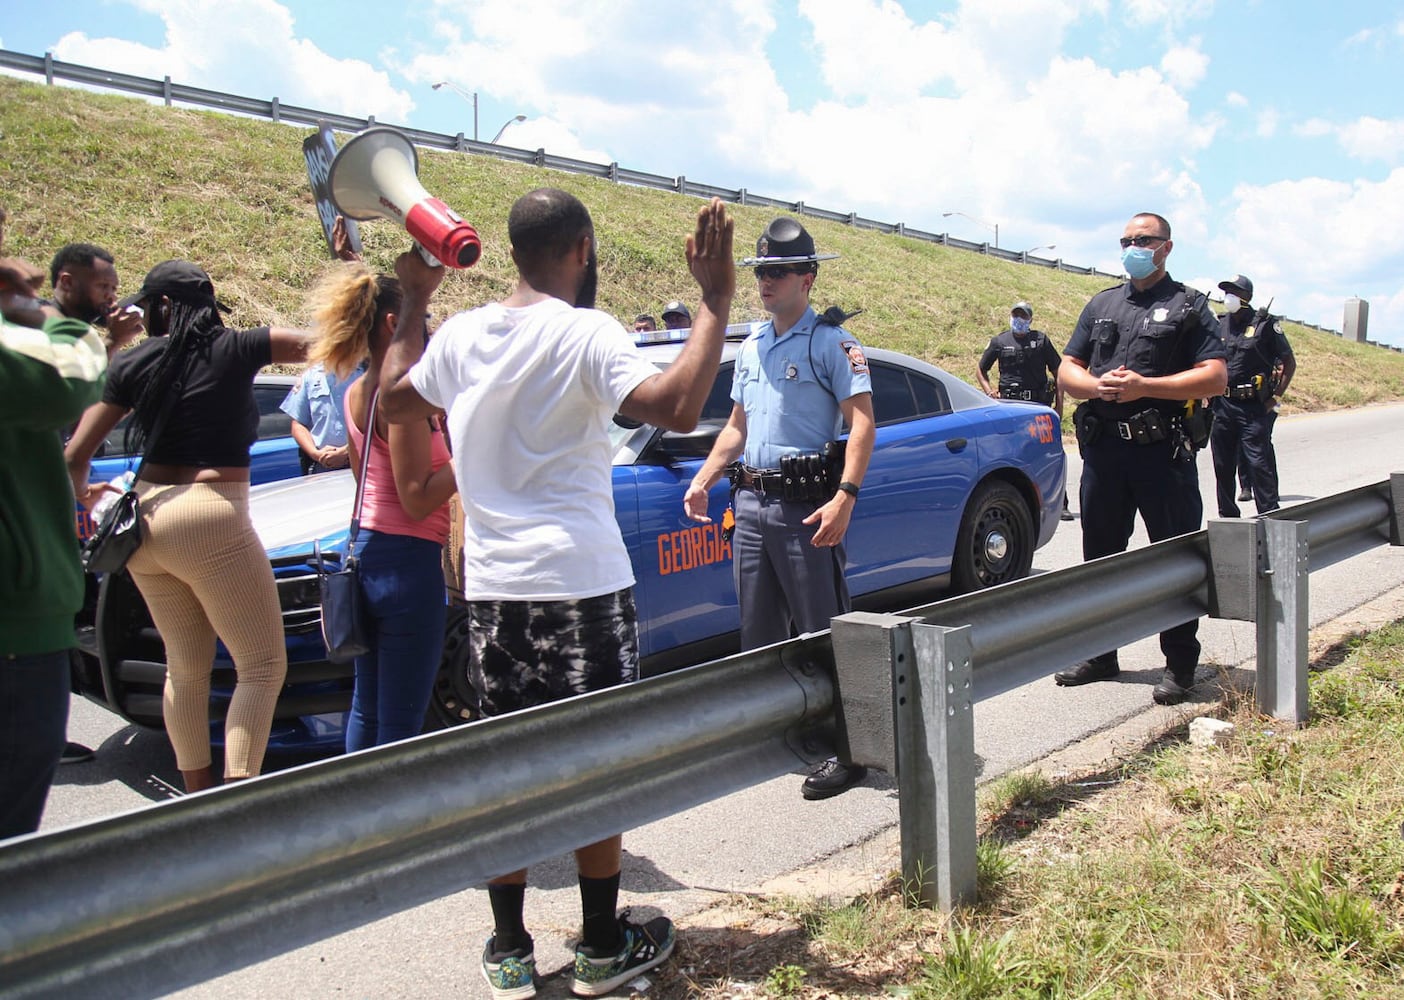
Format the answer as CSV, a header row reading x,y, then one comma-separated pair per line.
x,y
599,898
508,902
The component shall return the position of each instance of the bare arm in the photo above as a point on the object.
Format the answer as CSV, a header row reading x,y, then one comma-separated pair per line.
x,y
1075,380
673,399
983,379
1289,368
726,450
289,346
422,489
93,427
303,436
833,517
400,401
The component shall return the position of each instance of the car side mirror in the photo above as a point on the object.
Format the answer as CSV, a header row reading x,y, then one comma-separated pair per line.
x,y
696,443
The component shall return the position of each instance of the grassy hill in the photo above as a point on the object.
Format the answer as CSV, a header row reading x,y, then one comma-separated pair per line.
x,y
150,183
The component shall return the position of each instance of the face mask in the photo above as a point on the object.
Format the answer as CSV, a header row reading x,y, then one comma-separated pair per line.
x,y
1139,262
1232,302
1019,325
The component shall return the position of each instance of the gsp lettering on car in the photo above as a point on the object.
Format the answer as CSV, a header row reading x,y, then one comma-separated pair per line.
x,y
692,548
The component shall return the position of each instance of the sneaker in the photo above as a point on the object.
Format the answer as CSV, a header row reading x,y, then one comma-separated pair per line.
x,y
642,946
76,753
832,778
1244,494
1086,672
510,974
1173,688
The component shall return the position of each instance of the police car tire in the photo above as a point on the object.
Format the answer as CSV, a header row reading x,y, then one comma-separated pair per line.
x,y
454,700
995,543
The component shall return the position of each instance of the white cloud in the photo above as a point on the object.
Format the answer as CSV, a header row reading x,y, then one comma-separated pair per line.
x,y
1267,123
1235,100
245,47
1185,65
1373,139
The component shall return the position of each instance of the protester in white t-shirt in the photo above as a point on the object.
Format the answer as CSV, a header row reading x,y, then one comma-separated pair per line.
x,y
530,386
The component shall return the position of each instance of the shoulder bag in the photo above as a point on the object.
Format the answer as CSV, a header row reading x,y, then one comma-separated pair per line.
x,y
343,614
118,533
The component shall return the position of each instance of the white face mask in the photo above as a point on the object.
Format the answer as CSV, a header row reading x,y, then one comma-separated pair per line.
x,y
1232,302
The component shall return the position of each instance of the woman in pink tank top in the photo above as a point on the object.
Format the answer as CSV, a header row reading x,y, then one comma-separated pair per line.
x,y
404,519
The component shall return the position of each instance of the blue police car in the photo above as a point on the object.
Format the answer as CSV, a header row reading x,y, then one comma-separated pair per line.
x,y
960,492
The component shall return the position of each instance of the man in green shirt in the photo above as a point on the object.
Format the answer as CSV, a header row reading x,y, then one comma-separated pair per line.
x,y
51,369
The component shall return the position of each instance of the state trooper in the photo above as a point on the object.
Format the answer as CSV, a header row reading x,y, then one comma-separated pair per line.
x,y
798,379
1244,415
1028,367
1142,355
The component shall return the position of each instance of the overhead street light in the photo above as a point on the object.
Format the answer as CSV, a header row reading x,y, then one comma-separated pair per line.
x,y
982,222
1046,246
510,121
472,98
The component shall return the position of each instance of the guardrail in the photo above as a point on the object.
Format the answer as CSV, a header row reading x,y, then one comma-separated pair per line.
x,y
52,69
153,900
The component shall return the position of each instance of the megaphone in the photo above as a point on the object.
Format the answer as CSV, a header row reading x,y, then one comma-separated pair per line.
x,y
376,176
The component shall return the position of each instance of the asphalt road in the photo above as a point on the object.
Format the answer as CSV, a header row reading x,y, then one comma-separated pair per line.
x,y
683,864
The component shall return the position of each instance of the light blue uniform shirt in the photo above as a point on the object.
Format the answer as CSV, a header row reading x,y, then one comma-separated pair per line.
x,y
317,402
790,387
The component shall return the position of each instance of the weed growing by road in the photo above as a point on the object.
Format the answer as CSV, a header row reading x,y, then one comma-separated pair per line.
x,y
1271,867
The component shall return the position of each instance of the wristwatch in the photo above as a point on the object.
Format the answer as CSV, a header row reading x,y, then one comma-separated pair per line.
x,y
850,488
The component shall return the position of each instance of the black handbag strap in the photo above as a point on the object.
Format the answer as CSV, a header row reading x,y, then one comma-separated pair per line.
x,y
366,438
166,407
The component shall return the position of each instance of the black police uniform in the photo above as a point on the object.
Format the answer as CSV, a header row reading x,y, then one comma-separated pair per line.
x,y
1242,419
1133,458
1024,365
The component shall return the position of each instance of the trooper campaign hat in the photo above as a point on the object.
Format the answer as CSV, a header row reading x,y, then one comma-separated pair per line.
x,y
785,241
178,279
1240,285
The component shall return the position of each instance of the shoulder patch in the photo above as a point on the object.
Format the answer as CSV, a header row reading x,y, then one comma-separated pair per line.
x,y
856,359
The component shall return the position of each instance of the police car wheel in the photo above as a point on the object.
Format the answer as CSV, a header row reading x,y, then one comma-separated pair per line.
x,y
454,701
996,540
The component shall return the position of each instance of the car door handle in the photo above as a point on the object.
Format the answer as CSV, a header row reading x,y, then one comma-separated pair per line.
x,y
956,444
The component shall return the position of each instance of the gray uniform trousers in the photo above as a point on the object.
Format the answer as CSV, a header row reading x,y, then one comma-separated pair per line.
x,y
784,584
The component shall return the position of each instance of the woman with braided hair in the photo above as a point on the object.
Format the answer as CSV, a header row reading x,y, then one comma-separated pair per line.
x,y
405,514
201,568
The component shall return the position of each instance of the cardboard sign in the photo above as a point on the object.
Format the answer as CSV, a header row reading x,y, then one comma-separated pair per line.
x,y
319,150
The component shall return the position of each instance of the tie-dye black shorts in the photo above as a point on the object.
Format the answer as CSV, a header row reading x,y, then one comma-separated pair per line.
x,y
528,653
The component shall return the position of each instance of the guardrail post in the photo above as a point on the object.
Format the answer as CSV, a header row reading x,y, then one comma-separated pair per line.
x,y
1236,568
460,142
1396,508
166,90
49,68
1282,607
613,173
273,110
936,776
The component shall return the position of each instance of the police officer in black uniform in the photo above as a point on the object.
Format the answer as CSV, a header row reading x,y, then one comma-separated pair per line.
x,y
1028,367
1244,415
1143,354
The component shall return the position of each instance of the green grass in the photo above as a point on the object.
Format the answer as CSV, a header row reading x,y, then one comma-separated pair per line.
x,y
150,182
1271,867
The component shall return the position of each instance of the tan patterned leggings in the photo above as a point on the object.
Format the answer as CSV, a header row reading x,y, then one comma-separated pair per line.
x,y
204,573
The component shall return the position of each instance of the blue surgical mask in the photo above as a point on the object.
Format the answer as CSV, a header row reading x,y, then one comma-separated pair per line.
x,y
1019,325
1139,262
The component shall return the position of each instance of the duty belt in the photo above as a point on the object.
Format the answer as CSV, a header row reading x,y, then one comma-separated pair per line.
x,y
1146,427
761,480
1027,394
1247,390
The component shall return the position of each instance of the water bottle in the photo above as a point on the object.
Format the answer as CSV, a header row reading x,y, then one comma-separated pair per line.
x,y
114,489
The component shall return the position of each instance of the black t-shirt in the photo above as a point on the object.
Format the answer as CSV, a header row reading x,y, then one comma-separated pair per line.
x,y
215,419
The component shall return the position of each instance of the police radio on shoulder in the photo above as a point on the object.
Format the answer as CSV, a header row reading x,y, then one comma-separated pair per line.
x,y
850,488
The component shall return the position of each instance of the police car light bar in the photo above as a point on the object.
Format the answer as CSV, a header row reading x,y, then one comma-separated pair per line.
x,y
736,331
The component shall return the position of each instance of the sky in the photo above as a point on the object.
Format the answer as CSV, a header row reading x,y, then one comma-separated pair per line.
x,y
1269,132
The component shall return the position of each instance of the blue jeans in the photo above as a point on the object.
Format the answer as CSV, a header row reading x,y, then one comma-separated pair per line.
x,y
33,728
402,583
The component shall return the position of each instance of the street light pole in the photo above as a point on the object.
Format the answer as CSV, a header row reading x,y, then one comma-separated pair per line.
x,y
471,98
982,222
510,121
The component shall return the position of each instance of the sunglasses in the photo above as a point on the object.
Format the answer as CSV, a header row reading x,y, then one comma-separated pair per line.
x,y
777,271
1141,241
